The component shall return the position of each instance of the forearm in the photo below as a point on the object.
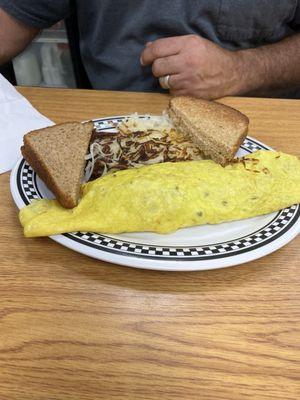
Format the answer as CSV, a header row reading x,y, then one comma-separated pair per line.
x,y
269,68
14,37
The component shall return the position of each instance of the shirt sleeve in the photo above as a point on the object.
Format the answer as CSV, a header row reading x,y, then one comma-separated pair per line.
x,y
295,23
38,14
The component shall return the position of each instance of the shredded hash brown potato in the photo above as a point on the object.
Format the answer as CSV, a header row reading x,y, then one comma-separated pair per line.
x,y
138,142
150,122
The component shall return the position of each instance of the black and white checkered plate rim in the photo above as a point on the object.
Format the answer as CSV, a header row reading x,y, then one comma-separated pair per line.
x,y
281,223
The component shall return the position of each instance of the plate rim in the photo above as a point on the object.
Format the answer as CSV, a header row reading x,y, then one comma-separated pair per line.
x,y
163,264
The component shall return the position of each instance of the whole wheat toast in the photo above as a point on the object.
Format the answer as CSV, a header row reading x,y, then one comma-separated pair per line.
x,y
217,129
57,154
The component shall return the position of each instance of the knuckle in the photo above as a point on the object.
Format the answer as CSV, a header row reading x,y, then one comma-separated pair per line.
x,y
156,68
155,50
194,40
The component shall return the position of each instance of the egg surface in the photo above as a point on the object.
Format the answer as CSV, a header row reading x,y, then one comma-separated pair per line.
x,y
164,197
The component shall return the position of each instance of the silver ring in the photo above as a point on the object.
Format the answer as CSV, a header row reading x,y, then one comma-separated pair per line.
x,y
164,81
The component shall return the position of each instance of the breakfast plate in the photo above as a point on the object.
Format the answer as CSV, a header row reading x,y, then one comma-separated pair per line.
x,y
196,248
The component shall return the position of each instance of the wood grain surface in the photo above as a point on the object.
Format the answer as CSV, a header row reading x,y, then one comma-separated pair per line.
x,y
75,328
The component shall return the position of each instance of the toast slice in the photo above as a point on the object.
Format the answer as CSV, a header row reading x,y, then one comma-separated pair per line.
x,y
217,129
57,154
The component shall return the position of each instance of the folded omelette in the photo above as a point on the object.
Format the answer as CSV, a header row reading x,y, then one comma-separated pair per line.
x,y
165,197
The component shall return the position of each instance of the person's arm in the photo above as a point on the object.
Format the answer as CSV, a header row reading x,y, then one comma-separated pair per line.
x,y
200,68
14,36
272,67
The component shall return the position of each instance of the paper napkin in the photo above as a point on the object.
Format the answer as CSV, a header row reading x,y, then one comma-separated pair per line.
x,y
17,117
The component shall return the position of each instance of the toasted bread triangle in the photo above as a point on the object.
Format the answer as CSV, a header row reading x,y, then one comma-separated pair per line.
x,y
57,154
217,129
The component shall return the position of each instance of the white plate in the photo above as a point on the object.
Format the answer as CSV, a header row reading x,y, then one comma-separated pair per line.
x,y
196,248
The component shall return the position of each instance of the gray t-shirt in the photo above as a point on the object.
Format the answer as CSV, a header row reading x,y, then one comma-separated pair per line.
x,y
113,33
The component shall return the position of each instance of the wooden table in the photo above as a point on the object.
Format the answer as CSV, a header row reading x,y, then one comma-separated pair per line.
x,y
72,327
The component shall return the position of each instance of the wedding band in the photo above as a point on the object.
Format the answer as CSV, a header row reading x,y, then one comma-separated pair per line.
x,y
164,82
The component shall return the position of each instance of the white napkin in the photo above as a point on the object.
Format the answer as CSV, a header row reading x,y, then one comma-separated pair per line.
x,y
17,117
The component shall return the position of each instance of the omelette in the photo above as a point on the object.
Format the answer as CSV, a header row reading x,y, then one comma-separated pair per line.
x,y
164,197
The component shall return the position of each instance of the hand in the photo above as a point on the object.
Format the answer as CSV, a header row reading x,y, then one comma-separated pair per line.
x,y
197,67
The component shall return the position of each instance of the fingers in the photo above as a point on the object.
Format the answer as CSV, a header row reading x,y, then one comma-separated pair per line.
x,y
166,66
191,65
179,92
182,85
161,48
181,89
176,83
